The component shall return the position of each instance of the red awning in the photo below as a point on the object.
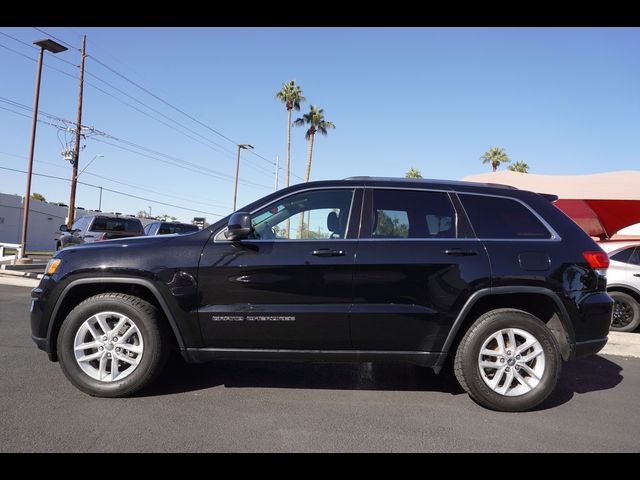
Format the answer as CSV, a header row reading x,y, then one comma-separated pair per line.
x,y
602,203
601,218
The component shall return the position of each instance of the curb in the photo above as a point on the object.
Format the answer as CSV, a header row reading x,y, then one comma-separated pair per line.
x,y
622,344
14,273
18,281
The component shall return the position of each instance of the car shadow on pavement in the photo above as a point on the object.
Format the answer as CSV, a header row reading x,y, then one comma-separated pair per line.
x,y
180,378
589,374
579,376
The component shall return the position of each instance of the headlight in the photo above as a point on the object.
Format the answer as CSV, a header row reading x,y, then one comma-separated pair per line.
x,y
52,266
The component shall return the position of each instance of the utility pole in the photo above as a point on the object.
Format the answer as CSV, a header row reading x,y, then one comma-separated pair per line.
x,y
277,171
76,149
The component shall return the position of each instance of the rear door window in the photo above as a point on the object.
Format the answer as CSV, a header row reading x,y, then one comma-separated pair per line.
x,y
107,224
412,214
500,217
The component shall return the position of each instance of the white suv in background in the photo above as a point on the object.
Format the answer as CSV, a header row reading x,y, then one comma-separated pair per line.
x,y
623,283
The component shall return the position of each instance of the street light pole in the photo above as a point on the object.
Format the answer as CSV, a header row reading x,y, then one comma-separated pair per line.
x,y
242,146
100,201
53,47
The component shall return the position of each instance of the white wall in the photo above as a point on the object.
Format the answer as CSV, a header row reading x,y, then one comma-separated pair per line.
x,y
44,221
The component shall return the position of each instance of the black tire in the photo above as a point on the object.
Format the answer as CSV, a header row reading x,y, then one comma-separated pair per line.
x,y
152,328
628,306
467,369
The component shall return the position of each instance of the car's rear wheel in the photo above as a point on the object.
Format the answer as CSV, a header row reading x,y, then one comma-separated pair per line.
x,y
508,360
626,312
112,345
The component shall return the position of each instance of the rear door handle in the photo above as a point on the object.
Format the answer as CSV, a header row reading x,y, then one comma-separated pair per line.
x,y
636,274
460,252
327,252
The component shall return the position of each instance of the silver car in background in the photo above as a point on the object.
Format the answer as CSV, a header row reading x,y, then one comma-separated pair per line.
x,y
623,283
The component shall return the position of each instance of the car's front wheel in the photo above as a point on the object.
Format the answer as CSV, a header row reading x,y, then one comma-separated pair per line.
x,y
508,360
112,345
626,312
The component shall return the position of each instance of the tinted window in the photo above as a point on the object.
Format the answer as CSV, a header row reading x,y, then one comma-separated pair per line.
x,y
311,215
623,256
494,217
106,224
180,228
635,258
80,224
412,214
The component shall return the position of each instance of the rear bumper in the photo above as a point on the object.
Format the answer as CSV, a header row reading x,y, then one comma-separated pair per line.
x,y
590,347
591,323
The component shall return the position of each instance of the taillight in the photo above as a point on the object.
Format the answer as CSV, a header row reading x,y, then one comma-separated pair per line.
x,y
597,259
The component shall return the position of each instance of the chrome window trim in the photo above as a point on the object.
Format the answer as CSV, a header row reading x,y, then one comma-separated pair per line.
x,y
555,237
339,187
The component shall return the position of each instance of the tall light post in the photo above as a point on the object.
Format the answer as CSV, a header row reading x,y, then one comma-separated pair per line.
x,y
243,146
53,47
97,156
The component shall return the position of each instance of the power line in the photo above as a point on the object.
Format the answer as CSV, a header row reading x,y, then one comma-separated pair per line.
x,y
175,161
115,191
121,182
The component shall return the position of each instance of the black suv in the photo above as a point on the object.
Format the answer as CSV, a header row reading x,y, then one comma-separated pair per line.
x,y
96,227
493,282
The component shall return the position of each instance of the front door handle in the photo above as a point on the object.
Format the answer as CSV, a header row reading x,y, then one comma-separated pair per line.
x,y
460,252
327,252
636,274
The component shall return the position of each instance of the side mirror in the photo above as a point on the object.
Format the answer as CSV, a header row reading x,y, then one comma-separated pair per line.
x,y
63,228
239,226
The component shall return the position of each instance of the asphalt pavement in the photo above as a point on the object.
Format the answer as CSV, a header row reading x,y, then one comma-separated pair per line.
x,y
296,407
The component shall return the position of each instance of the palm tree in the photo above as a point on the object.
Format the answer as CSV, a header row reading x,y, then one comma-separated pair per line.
x,y
291,96
317,123
520,166
413,173
495,156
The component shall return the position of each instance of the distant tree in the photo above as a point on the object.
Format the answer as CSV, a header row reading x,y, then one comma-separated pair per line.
x,y
166,217
519,166
38,196
141,214
413,173
495,156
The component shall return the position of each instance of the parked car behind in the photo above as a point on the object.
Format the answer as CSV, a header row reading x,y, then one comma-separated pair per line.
x,y
623,283
97,227
166,228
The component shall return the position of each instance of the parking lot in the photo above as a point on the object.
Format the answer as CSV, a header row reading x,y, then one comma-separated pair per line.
x,y
245,406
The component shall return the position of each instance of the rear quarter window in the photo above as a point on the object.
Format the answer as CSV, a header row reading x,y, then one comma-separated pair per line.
x,y
499,217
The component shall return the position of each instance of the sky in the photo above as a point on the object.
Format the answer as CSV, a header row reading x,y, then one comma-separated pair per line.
x,y
564,100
